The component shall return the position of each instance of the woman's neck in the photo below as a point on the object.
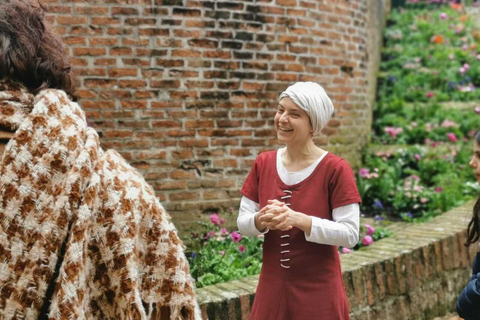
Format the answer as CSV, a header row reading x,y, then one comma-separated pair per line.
x,y
297,157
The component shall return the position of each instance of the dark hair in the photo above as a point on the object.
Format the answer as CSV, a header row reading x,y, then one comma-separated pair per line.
x,y
473,231
30,52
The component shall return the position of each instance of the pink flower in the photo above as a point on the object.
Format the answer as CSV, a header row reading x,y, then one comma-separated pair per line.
x,y
418,157
222,220
438,189
210,234
478,56
231,209
236,237
443,16
451,56
346,250
462,70
224,231
367,240
466,66
414,177
222,253
477,110
363,172
430,94
393,132
370,229
448,123
423,200
214,219
452,137
465,47
241,248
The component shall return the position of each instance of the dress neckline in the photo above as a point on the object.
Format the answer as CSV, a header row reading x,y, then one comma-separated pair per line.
x,y
298,185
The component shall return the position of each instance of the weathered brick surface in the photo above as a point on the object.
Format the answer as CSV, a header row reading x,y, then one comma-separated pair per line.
x,y
410,275
195,82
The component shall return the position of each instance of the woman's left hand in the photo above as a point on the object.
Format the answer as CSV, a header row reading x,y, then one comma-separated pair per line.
x,y
289,219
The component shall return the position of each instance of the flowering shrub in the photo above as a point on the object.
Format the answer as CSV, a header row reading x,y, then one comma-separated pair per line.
x,y
431,55
415,182
219,256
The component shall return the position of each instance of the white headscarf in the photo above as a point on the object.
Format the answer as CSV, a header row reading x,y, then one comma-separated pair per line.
x,y
311,98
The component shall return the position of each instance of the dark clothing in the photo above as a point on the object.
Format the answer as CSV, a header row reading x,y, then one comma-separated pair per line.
x,y
468,304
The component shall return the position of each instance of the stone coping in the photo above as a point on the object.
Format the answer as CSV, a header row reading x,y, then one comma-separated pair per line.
x,y
416,273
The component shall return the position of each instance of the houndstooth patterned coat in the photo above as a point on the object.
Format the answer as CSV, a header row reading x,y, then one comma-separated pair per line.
x,y
59,191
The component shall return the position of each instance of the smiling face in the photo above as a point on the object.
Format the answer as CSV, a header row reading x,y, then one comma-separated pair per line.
x,y
475,162
292,123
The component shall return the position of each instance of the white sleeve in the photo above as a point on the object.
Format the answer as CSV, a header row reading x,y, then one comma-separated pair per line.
x,y
342,231
246,218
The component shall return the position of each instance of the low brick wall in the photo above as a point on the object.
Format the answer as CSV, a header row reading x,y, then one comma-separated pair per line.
x,y
415,274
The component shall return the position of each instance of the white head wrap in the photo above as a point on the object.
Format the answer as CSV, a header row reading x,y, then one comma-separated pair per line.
x,y
311,98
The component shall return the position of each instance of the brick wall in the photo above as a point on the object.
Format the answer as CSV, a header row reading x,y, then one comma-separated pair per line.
x,y
186,90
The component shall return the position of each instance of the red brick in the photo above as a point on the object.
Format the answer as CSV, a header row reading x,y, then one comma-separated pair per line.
x,y
186,53
132,84
105,62
96,104
122,72
74,40
136,104
183,196
120,51
91,10
124,11
104,21
102,83
95,41
69,20
183,174
151,32
166,124
199,124
89,51
165,84
118,134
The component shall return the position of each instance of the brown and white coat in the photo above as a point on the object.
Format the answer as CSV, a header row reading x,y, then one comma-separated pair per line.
x,y
82,235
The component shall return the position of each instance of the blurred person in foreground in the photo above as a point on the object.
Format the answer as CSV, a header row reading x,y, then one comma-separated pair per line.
x,y
82,234
468,304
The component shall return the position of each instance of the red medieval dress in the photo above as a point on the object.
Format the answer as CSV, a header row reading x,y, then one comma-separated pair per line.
x,y
301,280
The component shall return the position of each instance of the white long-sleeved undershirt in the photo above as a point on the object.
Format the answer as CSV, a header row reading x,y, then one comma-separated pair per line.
x,y
342,231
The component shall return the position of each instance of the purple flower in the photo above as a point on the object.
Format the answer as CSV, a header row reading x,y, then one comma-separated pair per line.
x,y
222,253
409,214
379,218
370,229
346,250
378,204
367,240
214,219
241,248
363,172
452,137
443,16
236,237
194,255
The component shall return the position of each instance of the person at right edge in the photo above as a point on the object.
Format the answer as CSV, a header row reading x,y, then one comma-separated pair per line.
x,y
468,304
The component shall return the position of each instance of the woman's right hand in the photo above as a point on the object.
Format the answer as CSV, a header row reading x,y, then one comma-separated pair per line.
x,y
263,218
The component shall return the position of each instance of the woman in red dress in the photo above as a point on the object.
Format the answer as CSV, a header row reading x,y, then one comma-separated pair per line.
x,y
304,199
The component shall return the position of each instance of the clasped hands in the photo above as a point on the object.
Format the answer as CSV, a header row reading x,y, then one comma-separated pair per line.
x,y
275,215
